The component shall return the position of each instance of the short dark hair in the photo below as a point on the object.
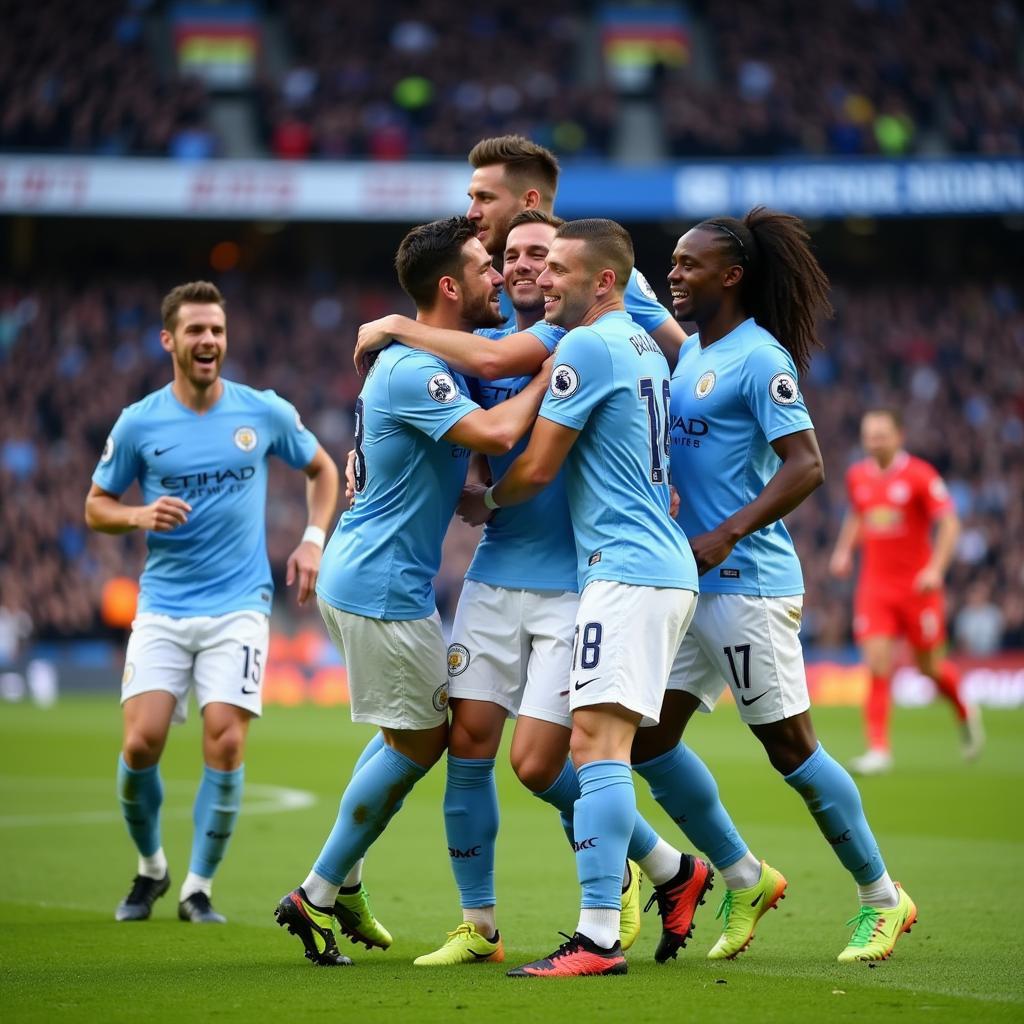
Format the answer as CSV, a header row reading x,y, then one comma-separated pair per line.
x,y
202,292
428,253
528,164
607,242
535,217
886,410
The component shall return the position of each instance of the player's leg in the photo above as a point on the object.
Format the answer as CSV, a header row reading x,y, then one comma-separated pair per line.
x,y
876,626
154,691
926,633
486,660
396,673
777,711
687,791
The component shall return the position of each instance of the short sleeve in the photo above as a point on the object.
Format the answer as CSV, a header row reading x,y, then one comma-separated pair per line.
x,y
120,463
642,304
547,334
291,442
771,390
425,394
582,378
937,501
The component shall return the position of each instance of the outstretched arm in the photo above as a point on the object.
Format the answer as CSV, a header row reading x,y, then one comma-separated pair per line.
x,y
841,562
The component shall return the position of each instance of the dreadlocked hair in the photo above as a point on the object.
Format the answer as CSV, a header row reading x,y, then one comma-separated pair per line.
x,y
783,286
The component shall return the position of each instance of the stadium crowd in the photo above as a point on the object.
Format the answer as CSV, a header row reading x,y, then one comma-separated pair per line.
x,y
773,77
71,358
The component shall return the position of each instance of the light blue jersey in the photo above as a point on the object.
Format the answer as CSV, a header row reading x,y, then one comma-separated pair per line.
x,y
729,402
611,383
528,546
382,558
215,563
641,304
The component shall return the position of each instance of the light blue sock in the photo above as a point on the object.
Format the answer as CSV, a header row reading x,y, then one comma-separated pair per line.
x,y
218,800
604,818
687,791
369,802
471,825
834,801
141,793
563,794
369,750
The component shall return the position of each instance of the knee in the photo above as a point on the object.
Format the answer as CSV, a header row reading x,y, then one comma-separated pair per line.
x,y
535,771
473,739
226,749
789,753
649,744
141,750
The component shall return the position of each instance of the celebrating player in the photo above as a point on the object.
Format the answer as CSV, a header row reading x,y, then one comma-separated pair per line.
x,y
605,417
511,174
744,454
199,449
895,499
415,428
510,654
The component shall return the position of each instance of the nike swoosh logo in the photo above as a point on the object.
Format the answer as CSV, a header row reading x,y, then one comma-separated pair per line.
x,y
747,703
250,692
579,686
754,903
162,451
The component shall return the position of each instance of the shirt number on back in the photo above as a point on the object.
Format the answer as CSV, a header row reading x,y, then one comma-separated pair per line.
x,y
658,422
360,433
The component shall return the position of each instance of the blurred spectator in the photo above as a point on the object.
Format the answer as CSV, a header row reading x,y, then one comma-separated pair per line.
x,y
978,627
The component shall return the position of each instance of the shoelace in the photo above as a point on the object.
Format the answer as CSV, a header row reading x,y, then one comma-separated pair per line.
x,y
464,929
569,946
140,885
865,919
201,900
725,907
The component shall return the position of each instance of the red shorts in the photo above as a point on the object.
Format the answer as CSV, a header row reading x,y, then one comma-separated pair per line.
x,y
920,617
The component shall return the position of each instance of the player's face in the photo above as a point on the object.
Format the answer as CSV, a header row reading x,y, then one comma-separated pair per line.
x,y
696,277
568,283
492,204
199,342
525,251
880,437
481,287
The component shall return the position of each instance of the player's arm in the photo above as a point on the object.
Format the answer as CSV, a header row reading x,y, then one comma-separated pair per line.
x,y
801,472
321,501
106,513
487,358
670,337
946,536
841,562
497,431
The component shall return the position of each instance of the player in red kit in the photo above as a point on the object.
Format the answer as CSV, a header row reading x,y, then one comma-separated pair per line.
x,y
895,501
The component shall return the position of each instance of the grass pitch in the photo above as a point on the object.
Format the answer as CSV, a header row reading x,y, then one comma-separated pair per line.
x,y
952,833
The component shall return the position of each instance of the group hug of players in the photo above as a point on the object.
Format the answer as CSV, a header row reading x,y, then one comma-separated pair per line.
x,y
554,402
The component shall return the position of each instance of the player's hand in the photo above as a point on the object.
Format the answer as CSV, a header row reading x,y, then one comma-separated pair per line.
x,y
840,564
928,579
350,478
372,337
711,549
471,508
673,501
164,514
304,566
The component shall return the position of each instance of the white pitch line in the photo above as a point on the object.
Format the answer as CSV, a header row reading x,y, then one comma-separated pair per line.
x,y
268,800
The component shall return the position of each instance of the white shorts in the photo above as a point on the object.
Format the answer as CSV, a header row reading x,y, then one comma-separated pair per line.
x,y
514,648
396,668
224,655
751,644
625,639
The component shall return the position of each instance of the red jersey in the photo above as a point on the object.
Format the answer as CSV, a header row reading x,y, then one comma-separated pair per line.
x,y
897,507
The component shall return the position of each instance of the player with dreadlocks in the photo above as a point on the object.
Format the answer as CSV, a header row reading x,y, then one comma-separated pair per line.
x,y
744,454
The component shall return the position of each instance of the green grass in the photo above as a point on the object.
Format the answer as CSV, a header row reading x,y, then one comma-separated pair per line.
x,y
953,834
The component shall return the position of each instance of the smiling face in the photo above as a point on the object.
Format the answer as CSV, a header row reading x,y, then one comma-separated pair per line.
x,y
701,275
480,286
198,343
493,202
525,251
568,282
